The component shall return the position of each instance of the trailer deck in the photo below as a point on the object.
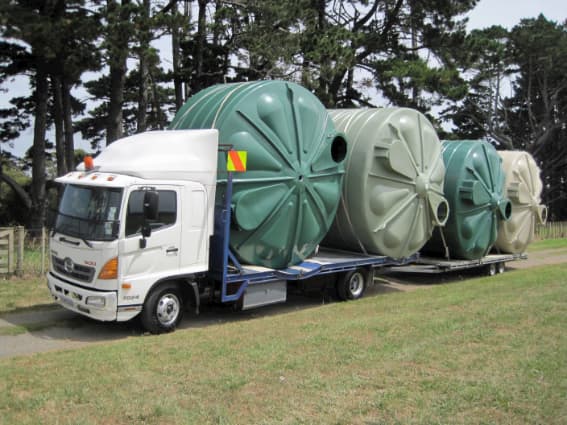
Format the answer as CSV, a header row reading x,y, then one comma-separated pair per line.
x,y
495,263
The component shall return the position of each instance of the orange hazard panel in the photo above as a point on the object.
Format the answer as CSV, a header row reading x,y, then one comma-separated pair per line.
x,y
236,161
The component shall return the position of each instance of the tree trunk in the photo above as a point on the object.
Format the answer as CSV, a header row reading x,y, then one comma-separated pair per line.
x,y
145,36
68,124
59,124
118,52
197,80
175,47
38,162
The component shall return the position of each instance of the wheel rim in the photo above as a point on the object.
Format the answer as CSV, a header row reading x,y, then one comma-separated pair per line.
x,y
492,270
501,268
356,284
167,309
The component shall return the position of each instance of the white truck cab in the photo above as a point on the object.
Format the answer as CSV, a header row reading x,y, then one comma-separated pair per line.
x,y
107,255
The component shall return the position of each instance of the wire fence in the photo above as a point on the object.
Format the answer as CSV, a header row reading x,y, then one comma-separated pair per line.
x,y
551,230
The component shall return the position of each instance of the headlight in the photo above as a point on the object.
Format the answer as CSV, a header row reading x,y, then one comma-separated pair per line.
x,y
96,301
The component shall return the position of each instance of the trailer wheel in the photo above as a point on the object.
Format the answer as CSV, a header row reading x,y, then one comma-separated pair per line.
x,y
351,285
501,267
491,269
163,309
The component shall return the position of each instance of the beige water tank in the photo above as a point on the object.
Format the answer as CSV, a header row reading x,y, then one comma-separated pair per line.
x,y
523,187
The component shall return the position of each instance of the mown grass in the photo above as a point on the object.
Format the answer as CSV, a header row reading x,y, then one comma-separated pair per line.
x,y
482,351
26,293
547,244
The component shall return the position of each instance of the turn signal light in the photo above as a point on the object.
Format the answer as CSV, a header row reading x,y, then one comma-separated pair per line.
x,y
89,163
110,270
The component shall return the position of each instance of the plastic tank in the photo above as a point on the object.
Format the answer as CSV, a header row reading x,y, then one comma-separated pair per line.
x,y
393,190
474,188
523,187
285,202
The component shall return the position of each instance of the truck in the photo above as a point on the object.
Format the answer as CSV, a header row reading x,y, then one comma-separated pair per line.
x,y
145,236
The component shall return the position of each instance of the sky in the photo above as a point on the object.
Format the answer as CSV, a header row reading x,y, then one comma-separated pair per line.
x,y
506,13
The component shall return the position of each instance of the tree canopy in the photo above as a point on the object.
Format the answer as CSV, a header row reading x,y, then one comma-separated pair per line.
x,y
94,69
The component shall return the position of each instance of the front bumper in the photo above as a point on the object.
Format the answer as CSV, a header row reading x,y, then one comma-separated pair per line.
x,y
98,305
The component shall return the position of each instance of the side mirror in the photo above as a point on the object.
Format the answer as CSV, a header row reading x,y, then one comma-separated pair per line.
x,y
146,230
151,200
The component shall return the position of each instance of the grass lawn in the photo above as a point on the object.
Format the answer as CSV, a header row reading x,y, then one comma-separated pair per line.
x,y
481,351
19,294
547,244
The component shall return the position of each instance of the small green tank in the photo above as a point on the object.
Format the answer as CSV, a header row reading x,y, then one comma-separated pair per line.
x,y
393,192
474,188
285,202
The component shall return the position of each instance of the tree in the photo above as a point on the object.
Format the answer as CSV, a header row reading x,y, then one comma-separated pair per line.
x,y
117,39
401,49
537,112
15,200
487,65
531,61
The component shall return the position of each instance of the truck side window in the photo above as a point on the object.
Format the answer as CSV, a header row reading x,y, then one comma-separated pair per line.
x,y
167,211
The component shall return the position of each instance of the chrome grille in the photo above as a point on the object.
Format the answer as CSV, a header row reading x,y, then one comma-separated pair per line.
x,y
66,267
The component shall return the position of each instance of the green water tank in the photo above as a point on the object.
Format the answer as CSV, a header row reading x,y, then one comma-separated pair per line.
x,y
474,188
523,187
285,202
393,191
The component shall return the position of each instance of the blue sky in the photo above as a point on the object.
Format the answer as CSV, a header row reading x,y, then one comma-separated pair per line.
x,y
487,12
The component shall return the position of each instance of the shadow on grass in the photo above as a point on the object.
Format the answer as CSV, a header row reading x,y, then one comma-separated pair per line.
x,y
31,308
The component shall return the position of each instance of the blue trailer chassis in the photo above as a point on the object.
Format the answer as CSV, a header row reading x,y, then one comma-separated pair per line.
x,y
227,270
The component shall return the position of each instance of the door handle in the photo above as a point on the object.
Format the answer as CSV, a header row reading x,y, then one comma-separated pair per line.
x,y
171,249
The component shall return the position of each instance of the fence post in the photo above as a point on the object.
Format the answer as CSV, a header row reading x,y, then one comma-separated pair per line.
x,y
42,251
20,234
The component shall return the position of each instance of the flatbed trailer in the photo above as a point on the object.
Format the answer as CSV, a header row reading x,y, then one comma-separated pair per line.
x,y
492,263
254,286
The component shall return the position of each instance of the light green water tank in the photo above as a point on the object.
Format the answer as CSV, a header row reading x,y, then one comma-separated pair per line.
x,y
393,191
474,188
523,187
285,202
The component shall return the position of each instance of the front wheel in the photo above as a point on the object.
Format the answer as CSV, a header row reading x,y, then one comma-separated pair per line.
x,y
163,309
351,285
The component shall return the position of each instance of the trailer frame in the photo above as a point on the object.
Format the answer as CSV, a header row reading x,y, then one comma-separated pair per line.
x,y
494,263
235,278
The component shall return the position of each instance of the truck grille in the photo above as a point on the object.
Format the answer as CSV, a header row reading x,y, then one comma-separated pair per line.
x,y
68,268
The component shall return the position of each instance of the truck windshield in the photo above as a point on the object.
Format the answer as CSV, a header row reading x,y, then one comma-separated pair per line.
x,y
89,213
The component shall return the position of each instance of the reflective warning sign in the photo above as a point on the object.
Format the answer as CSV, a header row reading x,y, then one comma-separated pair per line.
x,y
236,161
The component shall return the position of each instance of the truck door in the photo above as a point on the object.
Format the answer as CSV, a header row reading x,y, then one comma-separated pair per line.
x,y
143,266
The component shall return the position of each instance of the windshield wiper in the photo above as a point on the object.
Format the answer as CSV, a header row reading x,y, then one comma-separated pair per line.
x,y
87,243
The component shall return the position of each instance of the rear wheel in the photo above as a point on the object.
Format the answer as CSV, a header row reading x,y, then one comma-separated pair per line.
x,y
163,309
351,285
501,267
491,269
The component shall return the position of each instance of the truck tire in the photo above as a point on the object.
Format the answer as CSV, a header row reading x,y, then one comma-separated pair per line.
x,y
163,309
501,267
491,269
351,285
